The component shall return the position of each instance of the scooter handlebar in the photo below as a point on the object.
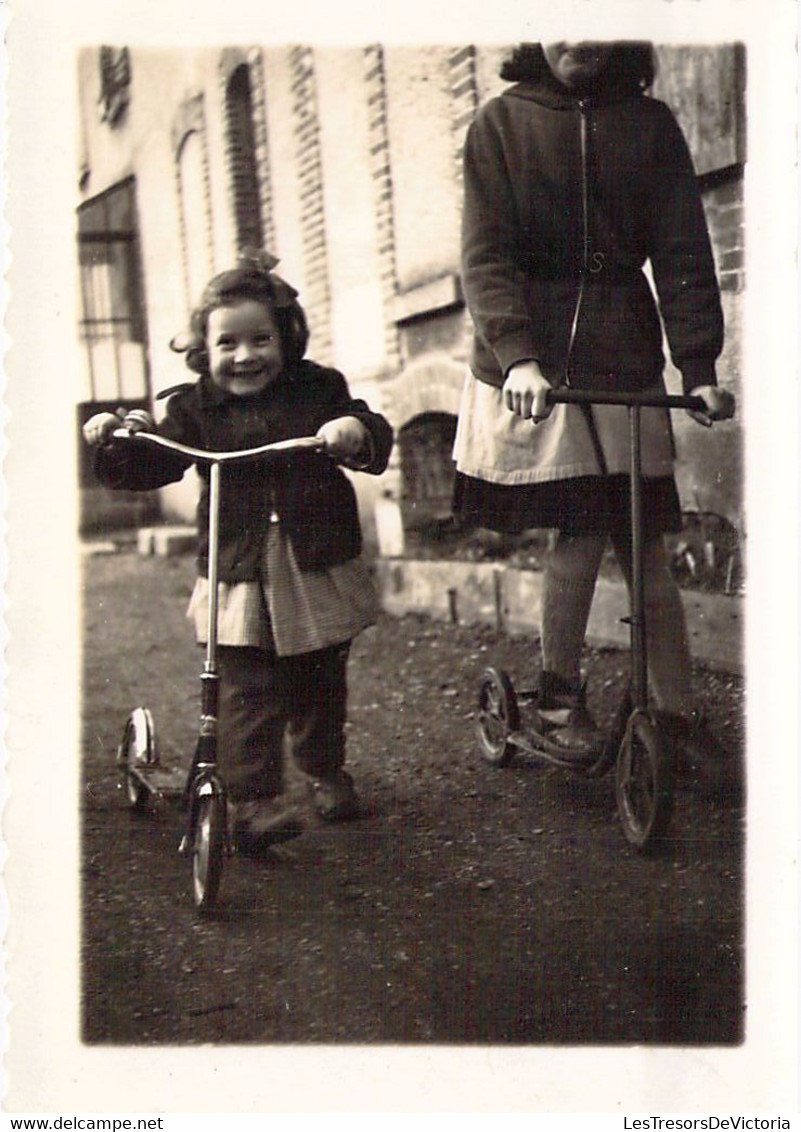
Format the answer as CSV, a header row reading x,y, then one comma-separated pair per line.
x,y
264,452
648,400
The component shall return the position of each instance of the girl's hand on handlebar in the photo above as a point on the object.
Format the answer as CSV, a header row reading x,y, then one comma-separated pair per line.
x,y
719,405
525,391
345,438
99,428
138,420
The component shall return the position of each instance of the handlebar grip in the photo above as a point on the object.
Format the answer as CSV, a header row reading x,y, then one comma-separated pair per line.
x,y
137,417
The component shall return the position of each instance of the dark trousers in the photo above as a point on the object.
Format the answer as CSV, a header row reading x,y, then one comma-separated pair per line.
x,y
269,704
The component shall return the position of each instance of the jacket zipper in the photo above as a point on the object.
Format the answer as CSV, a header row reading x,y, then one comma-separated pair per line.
x,y
585,255
585,265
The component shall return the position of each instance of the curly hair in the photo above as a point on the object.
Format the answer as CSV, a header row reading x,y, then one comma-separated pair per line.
x,y
250,279
631,65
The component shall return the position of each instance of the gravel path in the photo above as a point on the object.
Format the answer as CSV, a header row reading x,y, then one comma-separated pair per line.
x,y
468,904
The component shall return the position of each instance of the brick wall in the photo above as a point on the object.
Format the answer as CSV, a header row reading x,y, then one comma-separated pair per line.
x,y
464,95
381,173
307,126
725,215
709,468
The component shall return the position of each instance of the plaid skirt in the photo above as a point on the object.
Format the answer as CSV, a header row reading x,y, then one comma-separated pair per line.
x,y
286,609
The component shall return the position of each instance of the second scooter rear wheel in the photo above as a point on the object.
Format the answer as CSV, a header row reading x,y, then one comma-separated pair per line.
x,y
644,776
498,716
208,849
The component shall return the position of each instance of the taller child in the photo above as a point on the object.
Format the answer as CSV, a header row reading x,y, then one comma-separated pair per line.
x,y
574,180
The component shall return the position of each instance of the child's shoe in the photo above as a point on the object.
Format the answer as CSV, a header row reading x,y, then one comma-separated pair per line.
x,y
334,797
259,823
565,721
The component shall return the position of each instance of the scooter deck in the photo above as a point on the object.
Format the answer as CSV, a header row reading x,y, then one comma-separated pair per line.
x,y
536,742
538,746
160,780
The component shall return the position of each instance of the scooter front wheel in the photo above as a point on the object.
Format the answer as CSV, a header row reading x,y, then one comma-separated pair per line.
x,y
498,716
208,848
644,776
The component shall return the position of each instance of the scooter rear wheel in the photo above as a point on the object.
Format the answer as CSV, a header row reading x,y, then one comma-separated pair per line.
x,y
644,777
137,748
208,848
498,716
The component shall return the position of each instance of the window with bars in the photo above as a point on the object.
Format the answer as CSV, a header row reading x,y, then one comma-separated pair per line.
x,y
425,444
112,326
242,159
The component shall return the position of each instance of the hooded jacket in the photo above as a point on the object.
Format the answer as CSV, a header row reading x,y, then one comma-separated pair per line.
x,y
313,499
566,198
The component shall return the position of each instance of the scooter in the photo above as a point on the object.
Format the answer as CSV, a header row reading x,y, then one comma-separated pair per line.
x,y
638,745
207,839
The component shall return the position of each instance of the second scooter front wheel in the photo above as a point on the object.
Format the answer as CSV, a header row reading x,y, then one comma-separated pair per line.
x,y
644,776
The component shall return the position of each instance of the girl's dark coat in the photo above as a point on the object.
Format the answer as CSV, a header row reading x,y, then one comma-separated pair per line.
x,y
315,501
525,253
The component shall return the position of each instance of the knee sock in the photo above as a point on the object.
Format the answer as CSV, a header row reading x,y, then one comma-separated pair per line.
x,y
567,590
669,661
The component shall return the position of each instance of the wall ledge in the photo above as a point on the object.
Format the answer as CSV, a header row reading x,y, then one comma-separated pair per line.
x,y
430,298
490,593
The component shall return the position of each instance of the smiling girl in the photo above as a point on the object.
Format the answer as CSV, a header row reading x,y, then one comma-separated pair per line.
x,y
294,590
